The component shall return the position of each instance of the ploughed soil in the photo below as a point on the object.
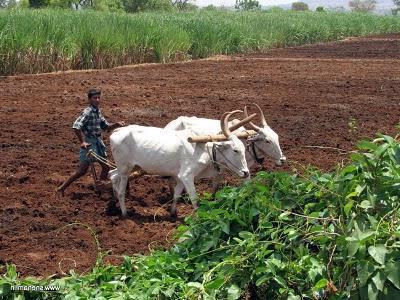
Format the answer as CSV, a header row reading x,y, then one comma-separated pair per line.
x,y
315,97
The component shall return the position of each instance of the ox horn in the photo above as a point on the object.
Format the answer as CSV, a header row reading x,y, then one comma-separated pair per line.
x,y
263,121
262,117
242,122
224,122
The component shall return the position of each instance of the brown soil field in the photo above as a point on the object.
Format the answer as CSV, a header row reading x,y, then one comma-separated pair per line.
x,y
309,95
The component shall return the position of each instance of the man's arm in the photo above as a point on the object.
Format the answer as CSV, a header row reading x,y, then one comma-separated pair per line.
x,y
104,125
115,125
79,135
78,125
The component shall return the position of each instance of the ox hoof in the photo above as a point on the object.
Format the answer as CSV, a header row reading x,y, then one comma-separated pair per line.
x,y
59,192
173,214
102,186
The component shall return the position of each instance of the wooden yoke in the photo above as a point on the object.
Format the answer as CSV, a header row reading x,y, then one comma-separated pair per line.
x,y
223,137
219,137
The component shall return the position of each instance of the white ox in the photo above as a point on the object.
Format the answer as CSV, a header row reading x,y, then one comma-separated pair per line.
x,y
264,143
164,152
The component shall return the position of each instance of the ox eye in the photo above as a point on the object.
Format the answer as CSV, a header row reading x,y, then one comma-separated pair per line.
x,y
236,151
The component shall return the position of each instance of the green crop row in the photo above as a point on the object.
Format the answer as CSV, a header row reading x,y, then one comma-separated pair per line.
x,y
35,41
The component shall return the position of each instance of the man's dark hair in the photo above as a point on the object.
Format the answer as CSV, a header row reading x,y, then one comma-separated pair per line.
x,y
93,92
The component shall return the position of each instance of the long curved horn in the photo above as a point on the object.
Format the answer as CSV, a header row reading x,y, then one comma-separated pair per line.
x,y
263,121
224,122
242,122
252,125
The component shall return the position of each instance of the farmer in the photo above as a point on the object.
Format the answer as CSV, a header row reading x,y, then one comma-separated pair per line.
x,y
88,127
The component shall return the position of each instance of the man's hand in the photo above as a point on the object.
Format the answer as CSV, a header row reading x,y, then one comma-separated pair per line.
x,y
85,145
116,125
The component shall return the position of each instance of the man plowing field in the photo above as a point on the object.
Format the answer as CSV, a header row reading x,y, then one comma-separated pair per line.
x,y
181,155
88,127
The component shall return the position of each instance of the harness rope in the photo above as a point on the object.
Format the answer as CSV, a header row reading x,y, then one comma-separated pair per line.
x,y
216,164
214,158
100,158
253,152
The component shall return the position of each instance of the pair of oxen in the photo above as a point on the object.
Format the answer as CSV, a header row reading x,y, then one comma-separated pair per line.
x,y
191,148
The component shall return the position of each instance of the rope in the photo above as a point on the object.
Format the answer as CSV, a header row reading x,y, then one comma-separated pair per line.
x,y
101,159
214,158
227,160
135,172
252,150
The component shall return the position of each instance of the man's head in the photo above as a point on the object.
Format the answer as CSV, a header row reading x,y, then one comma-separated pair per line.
x,y
94,97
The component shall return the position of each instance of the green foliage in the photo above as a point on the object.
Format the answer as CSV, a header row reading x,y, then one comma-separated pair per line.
x,y
188,7
210,8
275,9
158,5
247,5
8,4
38,3
35,41
109,5
134,6
320,9
23,4
299,6
184,5
281,236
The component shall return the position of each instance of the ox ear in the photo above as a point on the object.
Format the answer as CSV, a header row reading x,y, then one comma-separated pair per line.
x,y
225,145
255,138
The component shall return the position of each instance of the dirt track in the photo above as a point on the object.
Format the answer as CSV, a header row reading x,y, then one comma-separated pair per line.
x,y
309,95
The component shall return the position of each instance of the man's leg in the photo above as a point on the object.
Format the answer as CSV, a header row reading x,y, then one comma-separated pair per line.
x,y
83,167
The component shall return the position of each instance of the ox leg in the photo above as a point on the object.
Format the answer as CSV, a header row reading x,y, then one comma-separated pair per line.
x,y
171,184
217,181
177,193
121,194
119,182
188,183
